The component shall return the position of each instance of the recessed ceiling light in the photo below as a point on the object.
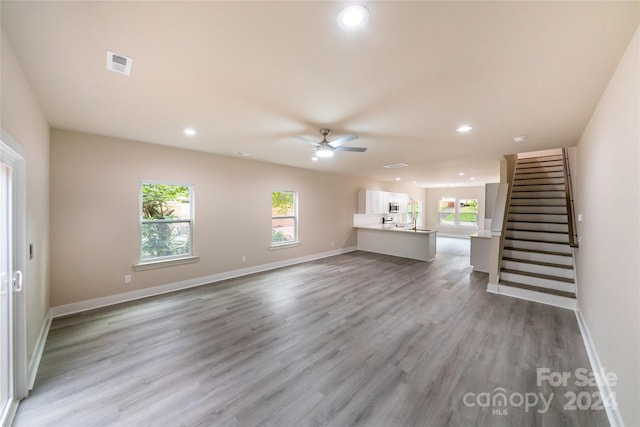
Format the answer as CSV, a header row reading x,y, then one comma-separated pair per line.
x,y
242,153
472,178
464,128
189,131
353,17
398,178
314,159
461,174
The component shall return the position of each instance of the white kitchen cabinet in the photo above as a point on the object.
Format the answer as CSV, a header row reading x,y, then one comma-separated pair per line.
x,y
368,201
377,202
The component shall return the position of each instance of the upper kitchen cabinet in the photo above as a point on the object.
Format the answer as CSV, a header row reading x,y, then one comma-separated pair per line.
x,y
377,202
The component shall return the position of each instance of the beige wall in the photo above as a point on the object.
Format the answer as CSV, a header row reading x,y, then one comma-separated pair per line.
x,y
95,185
25,122
608,260
433,197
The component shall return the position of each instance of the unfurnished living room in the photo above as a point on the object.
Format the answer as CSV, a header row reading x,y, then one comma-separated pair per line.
x,y
320,213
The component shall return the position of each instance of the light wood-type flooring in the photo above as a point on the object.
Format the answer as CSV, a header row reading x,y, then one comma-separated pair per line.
x,y
356,339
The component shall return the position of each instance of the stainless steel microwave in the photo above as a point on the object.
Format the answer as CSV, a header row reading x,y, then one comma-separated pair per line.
x,y
394,207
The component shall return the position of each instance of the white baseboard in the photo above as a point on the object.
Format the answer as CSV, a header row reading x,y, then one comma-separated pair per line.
x,y
77,307
34,362
606,394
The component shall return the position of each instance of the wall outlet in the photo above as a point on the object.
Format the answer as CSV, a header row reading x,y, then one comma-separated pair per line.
x,y
244,258
331,244
127,278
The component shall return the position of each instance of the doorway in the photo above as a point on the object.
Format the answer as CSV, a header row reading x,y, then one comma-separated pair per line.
x,y
12,283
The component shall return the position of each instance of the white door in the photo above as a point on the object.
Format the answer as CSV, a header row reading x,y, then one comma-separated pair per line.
x,y
6,284
12,373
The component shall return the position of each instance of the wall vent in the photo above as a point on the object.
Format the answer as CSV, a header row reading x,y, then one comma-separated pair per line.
x,y
119,63
396,166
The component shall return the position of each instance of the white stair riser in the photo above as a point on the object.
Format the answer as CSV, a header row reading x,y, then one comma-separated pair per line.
x,y
517,194
538,246
536,281
538,226
539,202
540,269
537,256
540,169
540,158
547,237
520,176
540,163
537,217
514,209
541,297
539,187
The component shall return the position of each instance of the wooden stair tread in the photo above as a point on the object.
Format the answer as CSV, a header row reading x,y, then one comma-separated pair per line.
x,y
545,264
537,275
537,251
537,222
535,231
536,240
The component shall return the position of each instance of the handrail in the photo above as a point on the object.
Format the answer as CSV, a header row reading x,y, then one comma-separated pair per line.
x,y
568,191
512,160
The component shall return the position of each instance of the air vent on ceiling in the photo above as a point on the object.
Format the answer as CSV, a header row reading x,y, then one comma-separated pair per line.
x,y
396,166
119,63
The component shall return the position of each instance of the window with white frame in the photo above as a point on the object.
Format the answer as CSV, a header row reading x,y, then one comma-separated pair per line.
x,y
454,212
284,217
166,222
468,212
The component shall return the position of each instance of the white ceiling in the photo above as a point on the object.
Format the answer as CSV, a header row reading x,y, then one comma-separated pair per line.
x,y
251,76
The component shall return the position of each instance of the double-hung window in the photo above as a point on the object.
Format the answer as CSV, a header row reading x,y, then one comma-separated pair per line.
x,y
166,222
284,218
458,212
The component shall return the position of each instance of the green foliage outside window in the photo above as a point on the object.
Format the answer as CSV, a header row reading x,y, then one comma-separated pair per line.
x,y
282,201
283,216
165,232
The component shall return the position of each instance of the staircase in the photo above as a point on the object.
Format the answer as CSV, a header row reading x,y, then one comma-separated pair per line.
x,y
537,259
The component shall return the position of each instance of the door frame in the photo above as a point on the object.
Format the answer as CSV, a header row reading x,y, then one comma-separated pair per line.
x,y
14,151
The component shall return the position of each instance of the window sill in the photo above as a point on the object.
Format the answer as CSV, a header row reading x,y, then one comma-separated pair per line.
x,y
278,246
165,263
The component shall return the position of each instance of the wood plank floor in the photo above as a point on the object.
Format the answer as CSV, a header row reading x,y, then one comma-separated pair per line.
x,y
355,339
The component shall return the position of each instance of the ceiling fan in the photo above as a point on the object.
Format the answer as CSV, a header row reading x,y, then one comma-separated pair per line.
x,y
325,148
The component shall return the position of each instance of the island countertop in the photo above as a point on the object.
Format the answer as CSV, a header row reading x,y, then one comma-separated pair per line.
x,y
404,242
393,227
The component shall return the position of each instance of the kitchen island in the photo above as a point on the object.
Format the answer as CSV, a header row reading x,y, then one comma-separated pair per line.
x,y
398,241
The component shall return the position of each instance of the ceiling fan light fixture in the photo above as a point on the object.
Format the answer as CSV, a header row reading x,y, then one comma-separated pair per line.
x,y
353,17
324,152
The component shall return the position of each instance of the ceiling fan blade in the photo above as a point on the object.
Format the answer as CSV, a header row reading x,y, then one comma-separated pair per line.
x,y
310,141
356,149
338,142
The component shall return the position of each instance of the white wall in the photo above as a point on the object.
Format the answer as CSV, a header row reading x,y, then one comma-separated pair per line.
x,y
95,187
23,119
608,260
